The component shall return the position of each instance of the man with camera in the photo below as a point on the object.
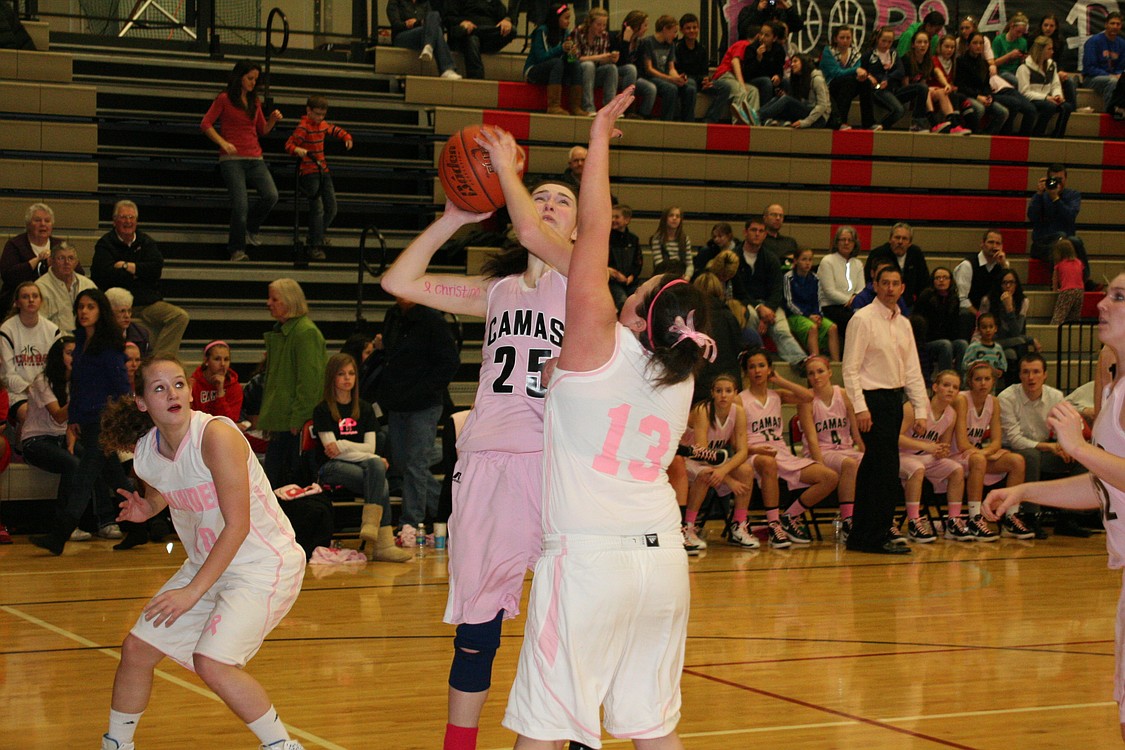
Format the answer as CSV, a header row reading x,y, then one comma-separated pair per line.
x,y
754,15
1053,211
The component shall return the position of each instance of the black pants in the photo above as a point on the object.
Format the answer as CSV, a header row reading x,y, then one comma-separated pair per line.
x,y
483,39
877,487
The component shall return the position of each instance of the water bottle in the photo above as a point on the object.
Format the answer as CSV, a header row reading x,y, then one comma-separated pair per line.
x,y
838,529
420,540
439,536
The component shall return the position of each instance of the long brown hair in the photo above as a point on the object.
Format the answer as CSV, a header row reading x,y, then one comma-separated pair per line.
x,y
123,424
336,363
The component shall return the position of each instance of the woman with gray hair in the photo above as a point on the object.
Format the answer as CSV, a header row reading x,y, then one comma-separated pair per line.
x,y
121,300
841,278
25,256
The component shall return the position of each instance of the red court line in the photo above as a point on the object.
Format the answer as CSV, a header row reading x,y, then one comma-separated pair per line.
x,y
832,711
832,657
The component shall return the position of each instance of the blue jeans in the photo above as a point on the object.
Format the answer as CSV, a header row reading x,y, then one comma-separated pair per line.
x,y
946,354
1017,103
483,39
787,109
367,477
237,173
676,102
594,75
1046,110
787,346
997,115
428,33
765,88
322,204
49,453
646,96
555,71
412,445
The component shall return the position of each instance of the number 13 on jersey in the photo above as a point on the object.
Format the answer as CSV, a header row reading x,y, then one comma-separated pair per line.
x,y
651,428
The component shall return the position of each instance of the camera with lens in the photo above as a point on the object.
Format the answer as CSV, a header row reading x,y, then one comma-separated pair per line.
x,y
771,3
1052,183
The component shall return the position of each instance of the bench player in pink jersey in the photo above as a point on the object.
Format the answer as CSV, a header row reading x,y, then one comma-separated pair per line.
x,y
719,422
978,417
830,434
495,531
1104,487
770,454
925,455
244,566
607,618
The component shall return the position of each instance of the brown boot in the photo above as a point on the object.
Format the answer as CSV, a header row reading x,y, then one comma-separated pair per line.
x,y
554,99
385,549
576,103
369,524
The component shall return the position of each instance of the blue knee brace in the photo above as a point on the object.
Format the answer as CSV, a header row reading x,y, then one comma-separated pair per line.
x,y
474,648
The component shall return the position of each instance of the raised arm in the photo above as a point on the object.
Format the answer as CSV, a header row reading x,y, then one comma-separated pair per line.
x,y
407,277
590,313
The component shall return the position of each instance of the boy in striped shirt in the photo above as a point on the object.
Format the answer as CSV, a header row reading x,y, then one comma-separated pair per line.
x,y
307,142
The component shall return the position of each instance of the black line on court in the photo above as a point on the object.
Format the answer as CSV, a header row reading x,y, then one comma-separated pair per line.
x,y
831,711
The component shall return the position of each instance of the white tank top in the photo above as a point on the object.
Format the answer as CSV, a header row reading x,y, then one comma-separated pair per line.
x,y
1109,436
610,435
523,329
718,436
188,487
833,429
936,429
976,424
763,421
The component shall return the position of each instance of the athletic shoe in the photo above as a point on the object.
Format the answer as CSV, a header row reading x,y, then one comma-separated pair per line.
x,y
254,239
956,530
407,537
894,536
741,536
1013,528
844,126
919,530
845,529
876,128
451,74
960,131
981,531
283,745
772,123
427,53
78,535
941,127
712,456
777,536
5,537
111,744
1118,113
692,543
755,118
738,115
796,529
316,252
110,531
239,255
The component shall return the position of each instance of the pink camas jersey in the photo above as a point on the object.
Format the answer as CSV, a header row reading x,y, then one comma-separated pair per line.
x,y
833,429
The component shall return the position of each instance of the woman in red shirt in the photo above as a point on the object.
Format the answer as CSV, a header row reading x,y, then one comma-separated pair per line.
x,y
241,122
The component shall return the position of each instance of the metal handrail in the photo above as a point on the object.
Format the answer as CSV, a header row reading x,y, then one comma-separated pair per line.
x,y
364,265
270,49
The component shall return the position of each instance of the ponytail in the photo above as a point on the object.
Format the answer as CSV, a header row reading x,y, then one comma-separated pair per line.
x,y
123,424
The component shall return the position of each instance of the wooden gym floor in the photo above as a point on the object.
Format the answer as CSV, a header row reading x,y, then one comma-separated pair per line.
x,y
1002,646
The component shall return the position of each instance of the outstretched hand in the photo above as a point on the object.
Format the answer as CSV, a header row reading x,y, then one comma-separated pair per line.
x,y
605,120
503,151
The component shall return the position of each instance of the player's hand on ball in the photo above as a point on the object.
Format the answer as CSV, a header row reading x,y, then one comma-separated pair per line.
x,y
503,151
135,508
461,216
166,608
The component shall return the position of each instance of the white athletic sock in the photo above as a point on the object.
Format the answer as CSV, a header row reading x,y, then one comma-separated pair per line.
x,y
974,509
122,726
268,728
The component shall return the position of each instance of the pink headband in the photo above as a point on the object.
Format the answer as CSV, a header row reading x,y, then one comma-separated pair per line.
x,y
213,344
685,328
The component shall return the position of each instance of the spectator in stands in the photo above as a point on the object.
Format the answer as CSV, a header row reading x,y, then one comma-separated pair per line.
x,y
722,238
939,308
1039,81
132,364
60,287
808,104
121,300
976,275
575,161
758,13
626,259
733,100
725,329
128,258
295,357
97,375
842,66
1006,301
25,256
1048,26
918,68
215,388
763,62
658,66
759,285
627,43
802,305
307,143
841,278
25,339
692,58
909,259
1053,213
945,71
239,116
599,63
476,27
46,443
1023,416
868,294
1103,59
415,25
932,25
985,347
552,61
1010,48
886,72
972,81
670,247
782,246
1067,281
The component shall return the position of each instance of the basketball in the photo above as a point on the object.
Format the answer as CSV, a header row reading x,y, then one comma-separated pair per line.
x,y
466,173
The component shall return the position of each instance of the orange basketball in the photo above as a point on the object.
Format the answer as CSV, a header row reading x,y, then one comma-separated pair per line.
x,y
466,173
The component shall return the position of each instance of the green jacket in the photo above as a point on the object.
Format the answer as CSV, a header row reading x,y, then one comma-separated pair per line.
x,y
295,360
